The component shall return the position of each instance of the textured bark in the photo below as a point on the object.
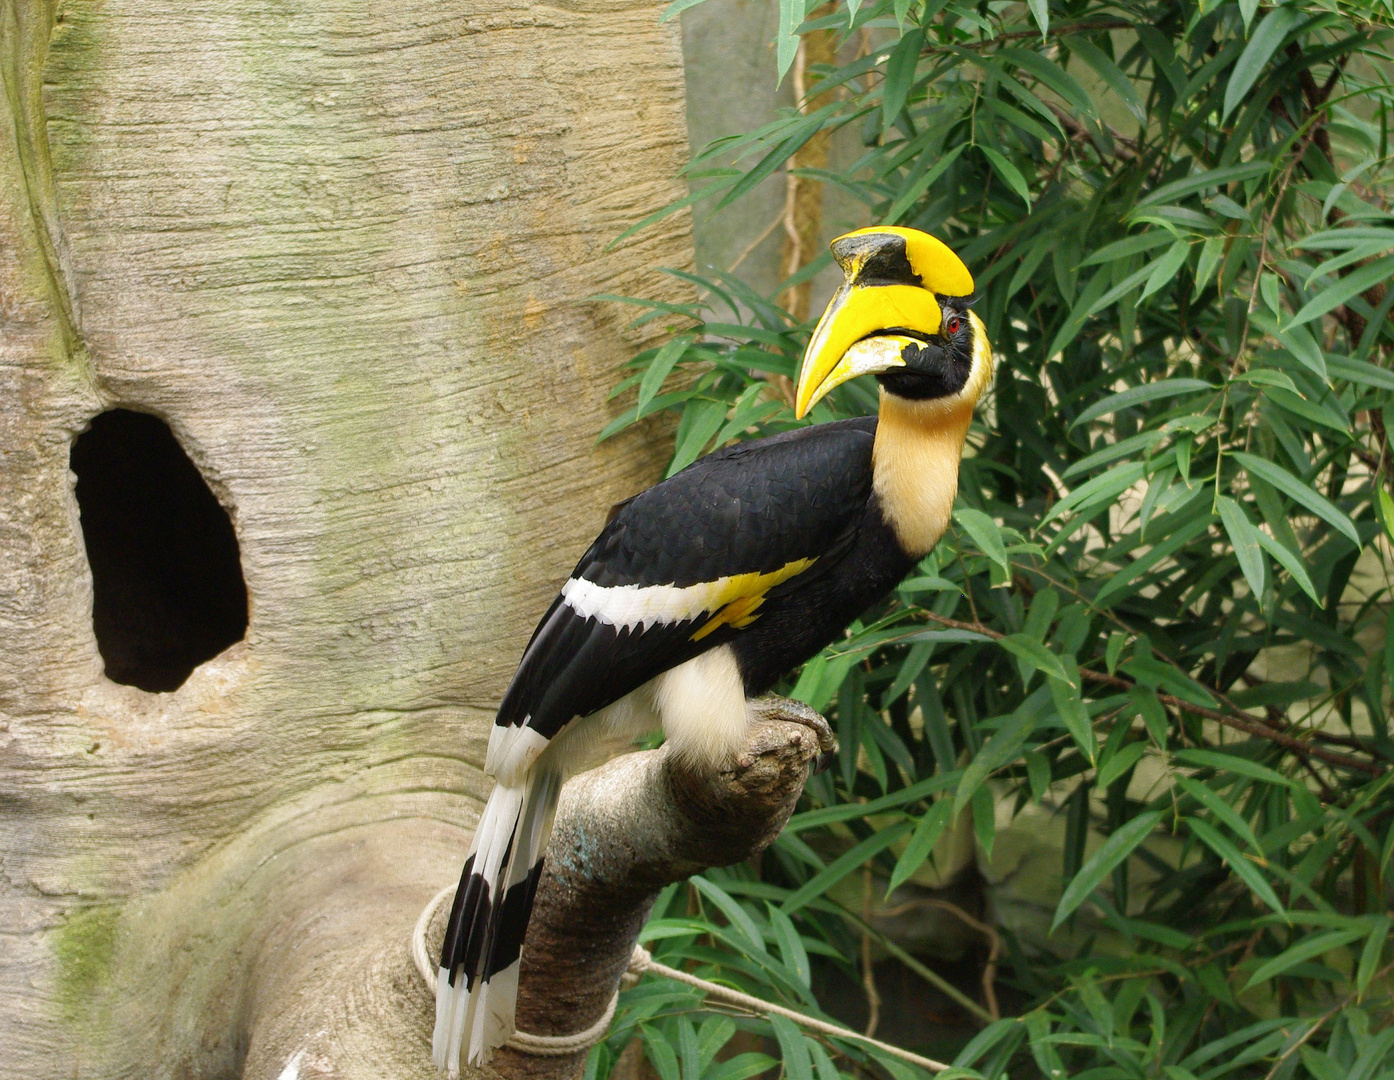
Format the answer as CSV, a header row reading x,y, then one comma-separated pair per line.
x,y
343,247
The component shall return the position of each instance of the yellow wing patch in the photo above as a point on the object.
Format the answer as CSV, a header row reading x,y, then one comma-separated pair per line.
x,y
742,594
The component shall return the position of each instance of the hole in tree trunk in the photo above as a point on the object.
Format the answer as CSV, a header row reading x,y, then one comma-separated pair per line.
x,y
167,581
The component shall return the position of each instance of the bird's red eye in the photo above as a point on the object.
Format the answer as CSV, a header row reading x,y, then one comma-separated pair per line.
x,y
952,324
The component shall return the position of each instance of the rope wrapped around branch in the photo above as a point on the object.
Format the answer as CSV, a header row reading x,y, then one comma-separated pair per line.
x,y
641,962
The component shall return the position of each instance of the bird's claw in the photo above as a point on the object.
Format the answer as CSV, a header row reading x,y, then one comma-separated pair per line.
x,y
796,712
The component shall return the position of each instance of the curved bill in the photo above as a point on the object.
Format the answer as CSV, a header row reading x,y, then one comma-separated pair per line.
x,y
843,345
870,356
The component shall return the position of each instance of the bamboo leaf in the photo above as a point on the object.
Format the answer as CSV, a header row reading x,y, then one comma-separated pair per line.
x,y
695,196
740,1067
793,1048
1371,954
900,76
1221,177
1154,715
1360,371
1035,654
1112,451
659,370
1100,489
1107,70
985,534
791,14
913,194
700,423
843,865
677,7
1342,289
1040,11
1211,252
1140,395
1118,764
1165,268
731,908
1289,485
1291,562
689,1053
660,1054
1266,40
922,842
1101,864
1053,76
1297,340
1117,641
1244,538
1233,763
996,752
715,1032
1211,800
1232,857
1268,377
822,1063
791,947
1008,172
1070,707
1302,951
1129,245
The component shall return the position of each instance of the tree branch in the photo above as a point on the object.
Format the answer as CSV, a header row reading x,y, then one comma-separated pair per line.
x,y
624,831
1055,32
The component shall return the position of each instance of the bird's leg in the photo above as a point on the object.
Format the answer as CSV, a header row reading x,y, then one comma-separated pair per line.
x,y
772,707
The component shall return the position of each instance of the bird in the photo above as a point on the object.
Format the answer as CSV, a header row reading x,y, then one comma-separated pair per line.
x,y
701,592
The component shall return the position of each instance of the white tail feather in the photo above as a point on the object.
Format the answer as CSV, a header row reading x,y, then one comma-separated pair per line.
x,y
493,1020
491,838
520,818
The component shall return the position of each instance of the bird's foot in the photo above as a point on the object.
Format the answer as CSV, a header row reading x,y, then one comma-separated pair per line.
x,y
772,707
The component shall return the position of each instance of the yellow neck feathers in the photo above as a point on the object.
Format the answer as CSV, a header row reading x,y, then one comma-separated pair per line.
x,y
915,465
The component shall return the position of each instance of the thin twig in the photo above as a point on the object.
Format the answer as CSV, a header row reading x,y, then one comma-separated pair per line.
x,y
928,974
1127,146
1241,722
1319,1023
994,942
779,220
873,995
1055,31
756,1005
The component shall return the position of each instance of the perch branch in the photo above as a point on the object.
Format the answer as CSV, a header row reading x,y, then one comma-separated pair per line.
x,y
624,831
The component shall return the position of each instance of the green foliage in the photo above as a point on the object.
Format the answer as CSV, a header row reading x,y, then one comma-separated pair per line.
x,y
1159,617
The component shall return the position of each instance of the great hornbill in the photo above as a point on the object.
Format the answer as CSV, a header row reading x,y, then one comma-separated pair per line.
x,y
705,589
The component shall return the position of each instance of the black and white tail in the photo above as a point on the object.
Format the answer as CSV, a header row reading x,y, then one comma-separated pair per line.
x,y
477,985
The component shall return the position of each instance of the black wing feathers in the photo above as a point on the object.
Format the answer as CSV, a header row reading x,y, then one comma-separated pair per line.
x,y
752,508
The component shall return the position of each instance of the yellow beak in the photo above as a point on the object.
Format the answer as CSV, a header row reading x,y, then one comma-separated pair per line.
x,y
892,276
843,345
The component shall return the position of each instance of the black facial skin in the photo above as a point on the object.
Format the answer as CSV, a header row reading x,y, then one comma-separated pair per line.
x,y
940,366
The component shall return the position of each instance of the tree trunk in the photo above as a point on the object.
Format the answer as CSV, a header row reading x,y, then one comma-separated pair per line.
x,y
343,250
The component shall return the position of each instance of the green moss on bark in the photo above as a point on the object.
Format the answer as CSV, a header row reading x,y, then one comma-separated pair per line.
x,y
84,945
